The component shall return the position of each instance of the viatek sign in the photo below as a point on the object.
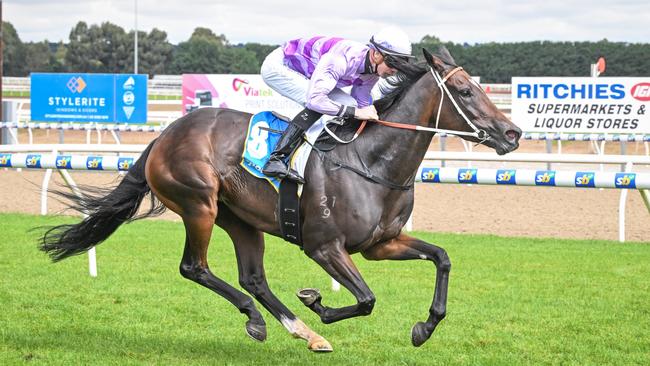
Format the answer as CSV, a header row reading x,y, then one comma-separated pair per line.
x,y
108,98
582,105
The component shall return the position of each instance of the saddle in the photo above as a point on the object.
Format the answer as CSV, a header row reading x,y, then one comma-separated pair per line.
x,y
264,131
343,129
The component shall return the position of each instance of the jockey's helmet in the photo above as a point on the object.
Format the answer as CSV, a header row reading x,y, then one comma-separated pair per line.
x,y
392,41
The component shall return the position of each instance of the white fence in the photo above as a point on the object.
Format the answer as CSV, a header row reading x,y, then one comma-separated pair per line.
x,y
29,156
91,127
538,158
168,85
21,156
529,177
540,136
163,117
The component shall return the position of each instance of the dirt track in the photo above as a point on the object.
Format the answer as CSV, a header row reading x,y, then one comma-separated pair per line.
x,y
508,211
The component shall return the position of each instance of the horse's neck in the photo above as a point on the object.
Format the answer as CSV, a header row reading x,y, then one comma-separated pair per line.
x,y
397,153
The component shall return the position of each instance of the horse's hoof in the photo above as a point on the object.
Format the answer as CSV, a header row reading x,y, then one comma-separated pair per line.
x,y
320,345
309,296
419,334
256,331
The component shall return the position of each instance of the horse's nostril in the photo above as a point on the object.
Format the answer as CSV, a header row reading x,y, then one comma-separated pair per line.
x,y
512,135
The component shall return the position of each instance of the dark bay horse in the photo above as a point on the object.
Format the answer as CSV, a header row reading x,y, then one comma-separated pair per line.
x,y
193,169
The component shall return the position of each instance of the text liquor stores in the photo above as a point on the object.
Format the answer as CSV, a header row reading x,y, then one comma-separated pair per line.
x,y
581,104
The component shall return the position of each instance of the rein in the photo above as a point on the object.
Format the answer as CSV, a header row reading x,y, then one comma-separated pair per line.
x,y
481,135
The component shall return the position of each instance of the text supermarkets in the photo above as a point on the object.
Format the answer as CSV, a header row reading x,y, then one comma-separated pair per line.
x,y
588,105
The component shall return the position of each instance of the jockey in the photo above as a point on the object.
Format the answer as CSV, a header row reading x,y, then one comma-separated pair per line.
x,y
311,71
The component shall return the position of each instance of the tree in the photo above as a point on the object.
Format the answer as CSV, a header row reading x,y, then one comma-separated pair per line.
x,y
197,55
260,51
207,53
110,47
39,57
13,53
499,62
240,61
98,48
59,58
208,34
154,52
78,58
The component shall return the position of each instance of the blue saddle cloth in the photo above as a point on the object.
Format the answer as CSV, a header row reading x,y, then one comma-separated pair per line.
x,y
264,131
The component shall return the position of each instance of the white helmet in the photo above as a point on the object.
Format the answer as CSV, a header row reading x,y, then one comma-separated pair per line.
x,y
392,41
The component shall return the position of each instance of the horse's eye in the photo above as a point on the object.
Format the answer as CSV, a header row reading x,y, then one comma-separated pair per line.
x,y
465,92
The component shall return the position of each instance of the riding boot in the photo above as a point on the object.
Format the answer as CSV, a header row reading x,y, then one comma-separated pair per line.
x,y
288,143
276,166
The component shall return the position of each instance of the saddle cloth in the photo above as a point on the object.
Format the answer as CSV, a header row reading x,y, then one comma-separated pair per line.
x,y
264,131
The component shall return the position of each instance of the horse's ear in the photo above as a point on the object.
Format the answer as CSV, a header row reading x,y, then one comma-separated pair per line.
x,y
428,57
446,56
434,61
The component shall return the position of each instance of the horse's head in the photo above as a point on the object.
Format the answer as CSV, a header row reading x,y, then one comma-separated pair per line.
x,y
472,110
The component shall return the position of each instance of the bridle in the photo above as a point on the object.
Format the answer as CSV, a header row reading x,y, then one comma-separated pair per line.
x,y
365,172
481,135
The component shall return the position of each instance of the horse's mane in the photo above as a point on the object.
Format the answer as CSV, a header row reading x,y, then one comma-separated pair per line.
x,y
405,77
407,74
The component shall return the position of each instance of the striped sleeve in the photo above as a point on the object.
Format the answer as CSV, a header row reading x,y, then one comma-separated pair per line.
x,y
329,70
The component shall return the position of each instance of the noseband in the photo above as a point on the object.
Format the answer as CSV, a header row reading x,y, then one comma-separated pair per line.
x,y
478,133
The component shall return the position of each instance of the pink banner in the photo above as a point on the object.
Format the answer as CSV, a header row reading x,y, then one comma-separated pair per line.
x,y
244,92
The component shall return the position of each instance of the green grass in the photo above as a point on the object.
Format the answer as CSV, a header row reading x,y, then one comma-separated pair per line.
x,y
164,97
511,302
15,94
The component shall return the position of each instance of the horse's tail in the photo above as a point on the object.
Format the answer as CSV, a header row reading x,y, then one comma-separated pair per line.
x,y
107,209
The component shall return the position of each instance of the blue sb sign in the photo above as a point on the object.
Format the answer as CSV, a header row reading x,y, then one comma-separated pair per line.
x,y
114,98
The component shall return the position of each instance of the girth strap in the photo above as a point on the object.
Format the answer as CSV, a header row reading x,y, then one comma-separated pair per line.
x,y
289,212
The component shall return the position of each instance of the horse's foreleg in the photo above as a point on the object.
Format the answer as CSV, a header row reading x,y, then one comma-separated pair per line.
x,y
405,247
194,266
249,248
336,261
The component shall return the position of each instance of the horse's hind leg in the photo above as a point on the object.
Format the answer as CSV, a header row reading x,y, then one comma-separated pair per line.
x,y
187,183
194,266
249,248
405,247
336,261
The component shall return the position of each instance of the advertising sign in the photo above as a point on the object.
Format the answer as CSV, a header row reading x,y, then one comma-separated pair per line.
x,y
244,92
110,98
581,105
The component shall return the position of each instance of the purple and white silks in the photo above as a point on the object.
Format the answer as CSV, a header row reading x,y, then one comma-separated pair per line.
x,y
328,64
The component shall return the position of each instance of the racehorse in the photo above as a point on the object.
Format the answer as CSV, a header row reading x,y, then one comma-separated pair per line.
x,y
193,168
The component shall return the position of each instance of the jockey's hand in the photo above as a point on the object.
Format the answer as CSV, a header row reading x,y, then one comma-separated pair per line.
x,y
366,113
